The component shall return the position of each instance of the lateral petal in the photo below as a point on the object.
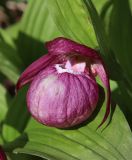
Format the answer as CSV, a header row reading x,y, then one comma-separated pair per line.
x,y
33,69
101,72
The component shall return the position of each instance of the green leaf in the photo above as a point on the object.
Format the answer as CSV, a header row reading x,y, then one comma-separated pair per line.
x,y
81,143
13,30
12,156
123,97
106,15
130,4
36,27
4,100
8,69
9,60
100,34
8,147
17,117
120,34
100,4
73,21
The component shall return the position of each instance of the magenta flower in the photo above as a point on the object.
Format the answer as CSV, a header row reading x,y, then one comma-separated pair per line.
x,y
63,90
2,154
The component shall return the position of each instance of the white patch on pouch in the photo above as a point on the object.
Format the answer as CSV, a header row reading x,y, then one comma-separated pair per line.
x,y
53,86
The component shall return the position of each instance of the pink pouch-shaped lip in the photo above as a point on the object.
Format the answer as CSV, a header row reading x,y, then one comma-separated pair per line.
x,y
59,51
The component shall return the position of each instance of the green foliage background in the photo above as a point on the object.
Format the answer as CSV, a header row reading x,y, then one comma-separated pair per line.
x,y
101,24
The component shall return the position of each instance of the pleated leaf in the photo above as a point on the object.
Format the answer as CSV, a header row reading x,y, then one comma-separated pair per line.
x,y
73,21
36,27
114,142
9,60
17,117
120,34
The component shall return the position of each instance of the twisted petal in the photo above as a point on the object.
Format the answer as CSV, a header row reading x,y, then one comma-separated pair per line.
x,y
62,100
99,68
31,71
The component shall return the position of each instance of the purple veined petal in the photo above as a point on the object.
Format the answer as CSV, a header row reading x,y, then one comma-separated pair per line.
x,y
101,72
63,45
62,100
31,71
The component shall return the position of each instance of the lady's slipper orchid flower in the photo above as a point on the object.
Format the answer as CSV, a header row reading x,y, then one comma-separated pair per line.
x,y
63,90
2,154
